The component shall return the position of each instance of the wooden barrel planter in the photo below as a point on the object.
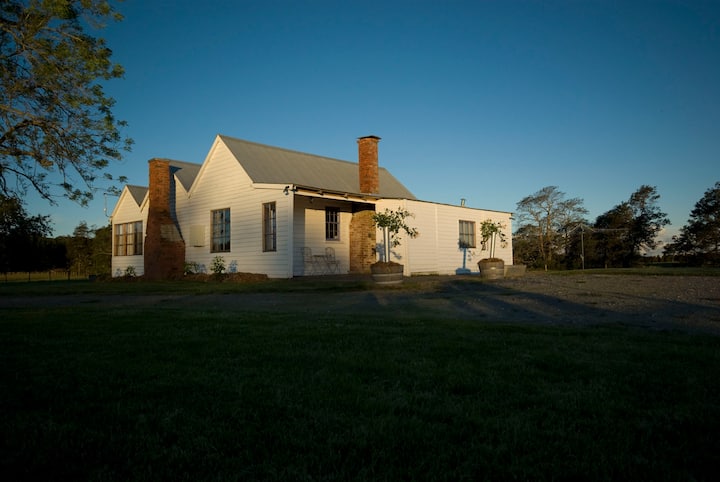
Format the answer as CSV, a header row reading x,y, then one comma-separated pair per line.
x,y
492,268
387,273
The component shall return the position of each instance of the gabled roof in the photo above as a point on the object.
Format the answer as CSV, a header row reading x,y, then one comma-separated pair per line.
x,y
186,172
275,165
138,193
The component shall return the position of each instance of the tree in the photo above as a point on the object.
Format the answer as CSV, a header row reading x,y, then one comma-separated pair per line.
x,y
700,237
80,249
524,242
102,250
545,214
648,220
611,237
631,227
490,233
88,249
391,223
20,236
57,130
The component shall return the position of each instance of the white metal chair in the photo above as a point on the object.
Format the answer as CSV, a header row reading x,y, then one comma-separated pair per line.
x,y
310,261
332,263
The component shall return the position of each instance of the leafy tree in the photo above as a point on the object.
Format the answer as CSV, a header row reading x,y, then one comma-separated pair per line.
x,y
577,243
101,246
524,242
648,219
544,215
630,227
20,236
57,130
700,237
80,248
88,249
391,223
611,237
490,233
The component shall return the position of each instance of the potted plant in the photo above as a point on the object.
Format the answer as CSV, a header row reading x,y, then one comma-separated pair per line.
x,y
391,223
491,232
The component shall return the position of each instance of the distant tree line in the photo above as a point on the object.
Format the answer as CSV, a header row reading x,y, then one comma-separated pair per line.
x,y
554,233
699,240
26,244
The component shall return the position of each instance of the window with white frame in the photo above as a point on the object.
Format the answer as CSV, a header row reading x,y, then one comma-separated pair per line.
x,y
220,221
467,234
269,227
129,239
332,224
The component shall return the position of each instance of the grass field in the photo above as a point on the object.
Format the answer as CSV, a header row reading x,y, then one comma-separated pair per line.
x,y
209,394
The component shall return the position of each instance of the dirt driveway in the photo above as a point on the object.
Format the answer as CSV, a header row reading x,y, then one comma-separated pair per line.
x,y
690,303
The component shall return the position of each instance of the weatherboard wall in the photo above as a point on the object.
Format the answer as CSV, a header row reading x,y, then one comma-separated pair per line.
x,y
222,183
127,210
435,250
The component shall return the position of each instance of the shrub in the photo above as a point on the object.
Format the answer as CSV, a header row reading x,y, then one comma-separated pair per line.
x,y
191,267
218,265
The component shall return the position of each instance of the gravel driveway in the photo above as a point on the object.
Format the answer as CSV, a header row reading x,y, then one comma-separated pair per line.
x,y
688,303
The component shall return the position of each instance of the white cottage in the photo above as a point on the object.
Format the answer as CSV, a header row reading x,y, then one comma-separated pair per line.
x,y
284,213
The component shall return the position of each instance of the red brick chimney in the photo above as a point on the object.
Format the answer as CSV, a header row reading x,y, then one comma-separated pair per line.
x,y
164,252
368,164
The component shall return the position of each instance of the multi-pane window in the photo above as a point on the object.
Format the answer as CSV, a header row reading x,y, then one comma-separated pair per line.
x,y
269,227
129,239
220,230
332,224
467,234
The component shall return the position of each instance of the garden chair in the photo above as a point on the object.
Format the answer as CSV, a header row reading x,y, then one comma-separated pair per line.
x,y
332,263
310,262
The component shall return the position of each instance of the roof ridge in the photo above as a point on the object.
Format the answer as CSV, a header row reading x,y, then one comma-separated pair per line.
x,y
285,149
173,161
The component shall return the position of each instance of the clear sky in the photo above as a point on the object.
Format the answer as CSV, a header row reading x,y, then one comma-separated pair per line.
x,y
484,100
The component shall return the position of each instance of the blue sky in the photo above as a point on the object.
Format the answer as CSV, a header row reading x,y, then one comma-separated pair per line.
x,y
488,101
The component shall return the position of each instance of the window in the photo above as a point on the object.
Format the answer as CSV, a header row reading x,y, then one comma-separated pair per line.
x,y
332,224
269,227
220,231
467,234
129,239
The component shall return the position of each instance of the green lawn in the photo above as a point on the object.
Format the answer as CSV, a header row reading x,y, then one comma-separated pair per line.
x,y
206,394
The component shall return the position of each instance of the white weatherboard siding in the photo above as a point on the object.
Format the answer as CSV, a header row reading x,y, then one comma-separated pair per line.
x,y
435,250
222,183
243,176
309,232
127,211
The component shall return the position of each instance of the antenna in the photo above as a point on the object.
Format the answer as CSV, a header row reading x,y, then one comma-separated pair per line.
x,y
105,195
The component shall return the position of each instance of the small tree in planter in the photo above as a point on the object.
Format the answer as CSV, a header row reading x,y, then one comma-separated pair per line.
x,y
491,233
391,223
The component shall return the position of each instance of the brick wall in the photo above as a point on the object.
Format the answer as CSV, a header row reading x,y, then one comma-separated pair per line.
x,y
164,253
368,164
362,240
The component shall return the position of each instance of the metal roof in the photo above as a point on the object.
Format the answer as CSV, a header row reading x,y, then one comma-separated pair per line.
x,y
275,165
186,172
137,193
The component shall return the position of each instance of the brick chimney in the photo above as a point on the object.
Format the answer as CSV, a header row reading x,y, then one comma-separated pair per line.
x,y
368,164
164,252
362,227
